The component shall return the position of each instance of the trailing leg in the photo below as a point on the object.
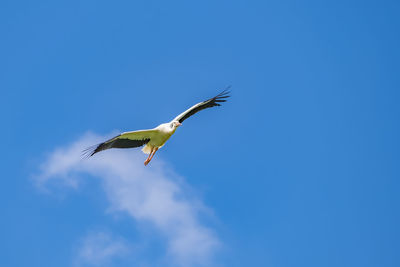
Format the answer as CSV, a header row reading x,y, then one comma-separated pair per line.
x,y
149,157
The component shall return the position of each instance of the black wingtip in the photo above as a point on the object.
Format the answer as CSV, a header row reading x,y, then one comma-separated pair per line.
x,y
90,151
225,93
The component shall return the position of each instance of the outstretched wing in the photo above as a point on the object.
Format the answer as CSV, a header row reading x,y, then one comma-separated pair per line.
x,y
124,140
209,103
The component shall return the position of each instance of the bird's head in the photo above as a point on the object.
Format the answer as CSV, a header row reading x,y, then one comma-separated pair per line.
x,y
175,124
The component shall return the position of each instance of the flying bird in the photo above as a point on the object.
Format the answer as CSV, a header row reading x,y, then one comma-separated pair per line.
x,y
154,139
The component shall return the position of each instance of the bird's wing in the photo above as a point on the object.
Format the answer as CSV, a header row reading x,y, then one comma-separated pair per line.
x,y
209,103
124,140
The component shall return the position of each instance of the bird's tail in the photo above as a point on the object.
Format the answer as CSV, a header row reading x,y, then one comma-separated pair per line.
x,y
146,149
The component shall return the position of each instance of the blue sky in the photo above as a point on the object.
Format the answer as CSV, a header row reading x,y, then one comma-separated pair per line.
x,y
299,168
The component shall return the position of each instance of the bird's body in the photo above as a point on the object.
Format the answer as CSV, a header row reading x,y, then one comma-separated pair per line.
x,y
153,139
163,133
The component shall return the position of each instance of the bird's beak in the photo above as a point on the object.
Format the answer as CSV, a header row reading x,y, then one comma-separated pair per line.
x,y
178,124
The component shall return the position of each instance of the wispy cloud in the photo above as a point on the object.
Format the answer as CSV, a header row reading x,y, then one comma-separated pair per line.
x,y
147,194
99,249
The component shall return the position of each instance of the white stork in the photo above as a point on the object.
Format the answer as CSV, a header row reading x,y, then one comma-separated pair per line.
x,y
154,139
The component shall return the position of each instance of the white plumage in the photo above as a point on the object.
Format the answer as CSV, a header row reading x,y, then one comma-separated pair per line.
x,y
158,141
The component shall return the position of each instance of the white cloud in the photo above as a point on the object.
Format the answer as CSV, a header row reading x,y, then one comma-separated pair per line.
x,y
147,194
99,249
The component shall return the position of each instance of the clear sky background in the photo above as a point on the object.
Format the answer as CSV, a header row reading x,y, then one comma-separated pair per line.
x,y
299,168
